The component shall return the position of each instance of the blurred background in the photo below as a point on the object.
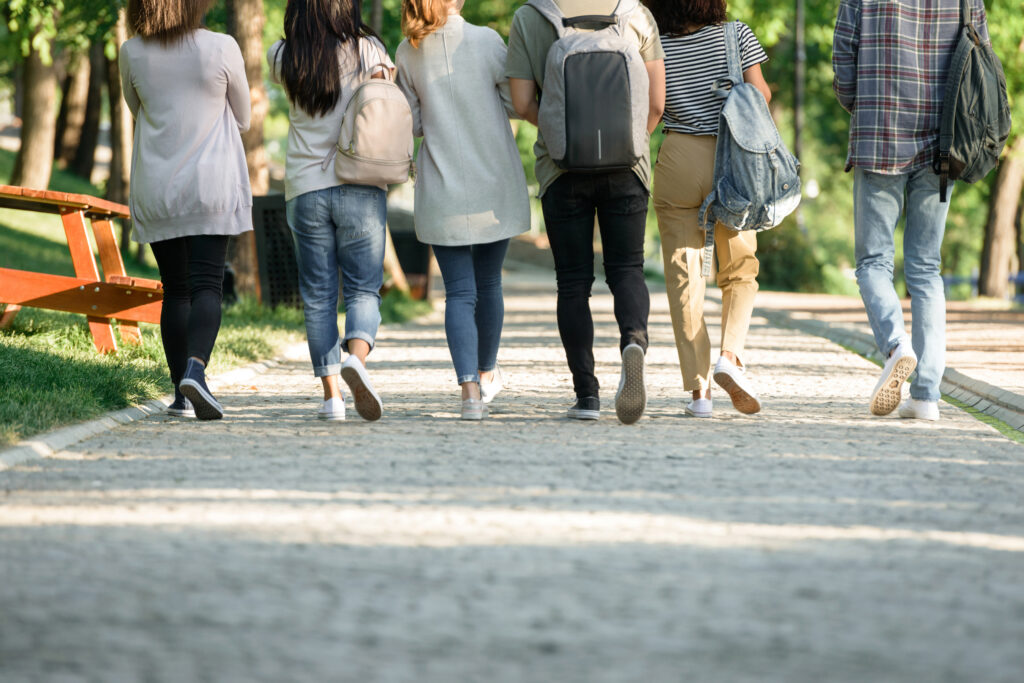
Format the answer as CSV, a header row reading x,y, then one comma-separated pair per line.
x,y
63,124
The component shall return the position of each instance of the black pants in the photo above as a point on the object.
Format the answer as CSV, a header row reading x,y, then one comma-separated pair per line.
x,y
192,270
620,202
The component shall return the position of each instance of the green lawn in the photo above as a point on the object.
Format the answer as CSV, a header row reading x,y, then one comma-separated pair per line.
x,y
50,373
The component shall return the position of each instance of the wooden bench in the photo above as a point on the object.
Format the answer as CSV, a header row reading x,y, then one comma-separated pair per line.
x,y
114,297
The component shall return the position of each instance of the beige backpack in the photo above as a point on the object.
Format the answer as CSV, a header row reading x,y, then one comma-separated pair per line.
x,y
375,146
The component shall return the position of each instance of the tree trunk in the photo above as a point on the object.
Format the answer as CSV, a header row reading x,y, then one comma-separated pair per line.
x,y
85,156
121,132
72,110
38,125
377,16
999,252
245,23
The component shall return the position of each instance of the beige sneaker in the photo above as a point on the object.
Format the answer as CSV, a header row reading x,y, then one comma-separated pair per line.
x,y
889,390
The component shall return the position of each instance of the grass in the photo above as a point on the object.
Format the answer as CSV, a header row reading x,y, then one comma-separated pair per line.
x,y
50,373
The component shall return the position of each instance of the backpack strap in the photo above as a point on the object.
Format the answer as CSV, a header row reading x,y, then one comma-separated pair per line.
x,y
550,10
723,86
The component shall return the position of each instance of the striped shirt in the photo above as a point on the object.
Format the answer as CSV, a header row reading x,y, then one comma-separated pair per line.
x,y
890,59
692,63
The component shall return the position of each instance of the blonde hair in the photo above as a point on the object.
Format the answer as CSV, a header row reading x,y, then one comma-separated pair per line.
x,y
420,18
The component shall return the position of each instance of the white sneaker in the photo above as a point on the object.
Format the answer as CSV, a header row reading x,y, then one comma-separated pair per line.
x,y
368,403
473,409
631,398
699,407
488,390
916,409
333,409
889,390
734,380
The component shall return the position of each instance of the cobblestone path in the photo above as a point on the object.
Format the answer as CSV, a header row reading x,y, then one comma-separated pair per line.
x,y
810,543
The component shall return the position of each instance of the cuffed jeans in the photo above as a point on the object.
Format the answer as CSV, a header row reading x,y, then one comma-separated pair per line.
x,y
878,203
620,202
474,306
341,226
683,177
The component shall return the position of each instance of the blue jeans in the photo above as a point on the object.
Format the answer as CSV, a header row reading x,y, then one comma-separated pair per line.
x,y
878,202
474,305
341,226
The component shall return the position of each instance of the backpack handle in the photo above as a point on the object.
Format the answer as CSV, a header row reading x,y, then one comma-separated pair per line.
x,y
596,21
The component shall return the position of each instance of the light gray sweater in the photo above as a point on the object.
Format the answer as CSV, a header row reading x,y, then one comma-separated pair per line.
x,y
190,100
470,187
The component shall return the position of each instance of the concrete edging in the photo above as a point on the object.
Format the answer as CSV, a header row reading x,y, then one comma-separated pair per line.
x,y
52,442
982,396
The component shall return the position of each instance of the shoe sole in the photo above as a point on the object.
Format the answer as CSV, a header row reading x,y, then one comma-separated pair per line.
x,y
330,418
631,399
204,404
367,404
473,417
587,415
741,400
888,396
174,412
696,414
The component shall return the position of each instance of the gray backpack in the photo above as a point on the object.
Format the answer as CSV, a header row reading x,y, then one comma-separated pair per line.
x,y
757,180
975,113
593,111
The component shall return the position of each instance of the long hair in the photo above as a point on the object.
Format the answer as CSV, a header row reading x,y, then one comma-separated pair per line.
x,y
314,31
420,18
166,21
675,17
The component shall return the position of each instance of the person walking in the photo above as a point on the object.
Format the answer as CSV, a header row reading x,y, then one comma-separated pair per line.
x,y
471,195
186,88
894,137
693,37
570,198
327,52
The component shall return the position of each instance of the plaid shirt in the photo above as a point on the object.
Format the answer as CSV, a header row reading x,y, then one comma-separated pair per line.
x,y
890,59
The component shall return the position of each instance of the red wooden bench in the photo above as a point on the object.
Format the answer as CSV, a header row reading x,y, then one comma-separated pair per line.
x,y
115,297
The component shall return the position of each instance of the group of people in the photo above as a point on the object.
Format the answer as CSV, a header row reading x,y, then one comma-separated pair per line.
x,y
190,190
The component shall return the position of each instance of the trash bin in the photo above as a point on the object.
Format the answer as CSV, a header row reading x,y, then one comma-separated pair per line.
x,y
414,256
275,252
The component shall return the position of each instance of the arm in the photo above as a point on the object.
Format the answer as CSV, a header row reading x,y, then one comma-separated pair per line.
x,y
410,94
754,77
656,76
845,44
131,97
238,86
524,98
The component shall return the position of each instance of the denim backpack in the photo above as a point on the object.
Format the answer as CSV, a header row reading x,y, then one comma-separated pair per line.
x,y
975,113
757,180
593,111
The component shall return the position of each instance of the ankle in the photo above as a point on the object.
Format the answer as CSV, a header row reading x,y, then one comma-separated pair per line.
x,y
470,390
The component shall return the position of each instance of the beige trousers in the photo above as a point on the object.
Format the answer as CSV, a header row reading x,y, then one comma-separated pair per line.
x,y
683,177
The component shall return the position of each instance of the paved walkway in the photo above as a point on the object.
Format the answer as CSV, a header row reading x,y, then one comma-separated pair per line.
x,y
810,543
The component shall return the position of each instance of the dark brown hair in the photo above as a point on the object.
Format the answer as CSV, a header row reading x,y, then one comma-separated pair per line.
x,y
679,17
166,21
314,31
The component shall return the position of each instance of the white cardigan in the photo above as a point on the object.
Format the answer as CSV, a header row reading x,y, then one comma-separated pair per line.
x,y
190,100
470,186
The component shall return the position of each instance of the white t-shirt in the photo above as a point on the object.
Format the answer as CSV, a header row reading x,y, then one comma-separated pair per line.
x,y
312,138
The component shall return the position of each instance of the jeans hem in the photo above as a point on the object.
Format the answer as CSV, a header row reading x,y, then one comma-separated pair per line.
x,y
365,336
469,378
327,370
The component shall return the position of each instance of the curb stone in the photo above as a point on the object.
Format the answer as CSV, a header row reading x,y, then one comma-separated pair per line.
x,y
50,443
982,396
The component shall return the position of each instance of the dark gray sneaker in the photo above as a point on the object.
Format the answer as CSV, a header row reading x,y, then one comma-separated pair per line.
x,y
631,398
586,408
181,407
193,386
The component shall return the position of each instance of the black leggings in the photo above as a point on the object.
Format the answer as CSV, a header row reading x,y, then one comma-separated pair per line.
x,y
192,270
